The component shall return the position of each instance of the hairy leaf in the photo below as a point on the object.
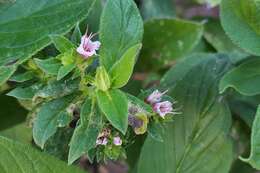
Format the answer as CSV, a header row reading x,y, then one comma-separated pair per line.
x,y
198,136
62,43
254,158
25,27
244,78
85,135
241,21
19,158
166,40
51,115
122,70
49,66
121,27
6,73
113,103
65,70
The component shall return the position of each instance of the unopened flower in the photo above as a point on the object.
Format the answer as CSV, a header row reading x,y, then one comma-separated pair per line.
x,y
87,47
155,97
117,141
163,108
102,141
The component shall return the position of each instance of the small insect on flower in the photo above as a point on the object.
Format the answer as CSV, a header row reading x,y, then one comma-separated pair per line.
x,y
87,47
117,141
155,97
163,108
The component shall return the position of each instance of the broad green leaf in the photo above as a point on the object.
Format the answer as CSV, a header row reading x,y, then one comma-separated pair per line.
x,y
254,159
20,132
58,144
121,27
215,35
244,78
122,70
55,89
157,9
25,93
85,135
65,70
22,77
51,115
50,66
25,27
62,43
241,21
166,40
155,131
6,73
20,158
113,103
12,113
244,106
198,136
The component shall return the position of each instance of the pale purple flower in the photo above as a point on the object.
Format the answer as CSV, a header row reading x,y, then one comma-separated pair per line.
x,y
87,47
155,97
102,141
117,141
163,108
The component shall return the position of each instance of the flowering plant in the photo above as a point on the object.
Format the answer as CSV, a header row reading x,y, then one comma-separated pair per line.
x,y
111,81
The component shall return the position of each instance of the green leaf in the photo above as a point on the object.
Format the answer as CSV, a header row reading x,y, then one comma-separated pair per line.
x,y
155,131
65,70
102,79
50,66
25,93
26,26
20,132
51,115
245,78
6,73
62,43
254,159
113,103
166,40
85,135
122,70
157,9
22,77
19,158
55,89
76,35
121,27
241,21
198,136
215,35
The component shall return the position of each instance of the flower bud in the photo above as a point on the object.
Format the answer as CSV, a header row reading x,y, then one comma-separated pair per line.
x,y
163,108
117,141
155,97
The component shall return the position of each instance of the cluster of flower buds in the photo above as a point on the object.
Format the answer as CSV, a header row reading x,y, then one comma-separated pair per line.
x,y
87,47
103,138
137,119
162,108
